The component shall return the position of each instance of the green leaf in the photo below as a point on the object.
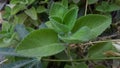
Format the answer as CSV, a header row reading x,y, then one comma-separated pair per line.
x,y
5,26
20,18
57,10
39,43
7,12
58,27
8,41
65,3
106,7
41,9
31,1
49,25
96,23
82,35
18,1
92,1
70,17
97,51
32,13
21,1
17,8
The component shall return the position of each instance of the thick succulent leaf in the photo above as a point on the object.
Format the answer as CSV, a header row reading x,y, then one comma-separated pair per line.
x,y
96,23
70,17
97,51
32,13
92,1
106,7
57,10
39,43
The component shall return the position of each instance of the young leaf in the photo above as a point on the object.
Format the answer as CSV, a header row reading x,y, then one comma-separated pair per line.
x,y
4,42
97,51
70,17
57,10
65,3
96,23
32,13
59,27
39,43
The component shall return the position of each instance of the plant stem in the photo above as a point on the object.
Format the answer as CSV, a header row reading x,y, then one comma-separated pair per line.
x,y
86,5
80,60
69,55
95,42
